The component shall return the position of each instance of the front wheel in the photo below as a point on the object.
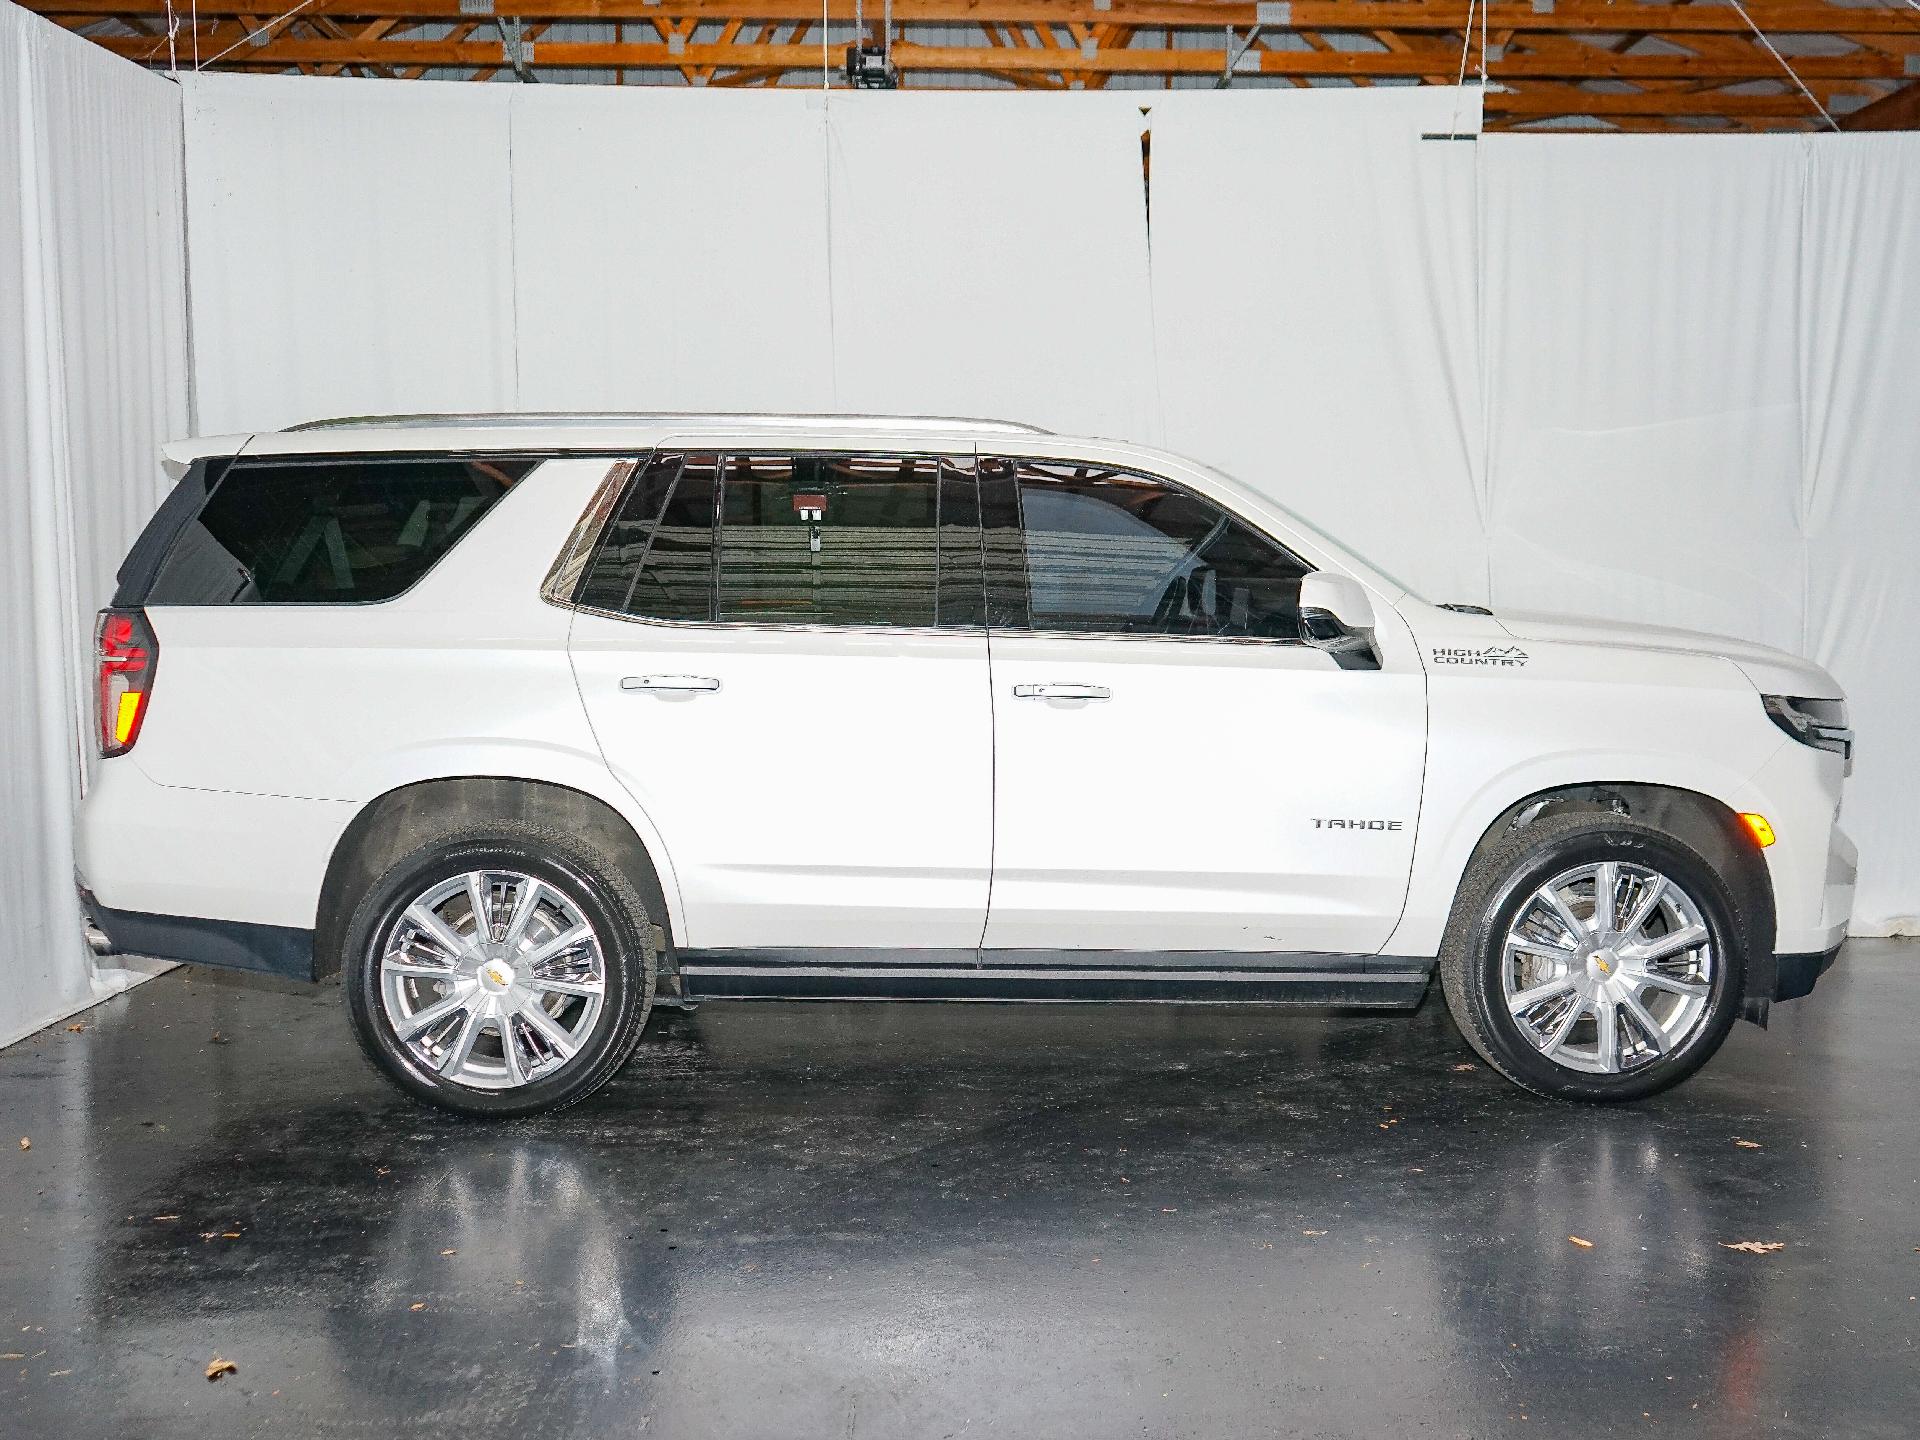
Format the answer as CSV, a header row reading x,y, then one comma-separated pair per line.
x,y
500,973
1592,957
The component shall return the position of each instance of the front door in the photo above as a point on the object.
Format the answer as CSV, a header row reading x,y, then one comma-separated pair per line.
x,y
1175,770
783,660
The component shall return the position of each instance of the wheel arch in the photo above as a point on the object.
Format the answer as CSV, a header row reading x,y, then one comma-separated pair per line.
x,y
400,819
1707,825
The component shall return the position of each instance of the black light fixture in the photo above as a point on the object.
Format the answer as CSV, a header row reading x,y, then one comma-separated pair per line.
x,y
869,64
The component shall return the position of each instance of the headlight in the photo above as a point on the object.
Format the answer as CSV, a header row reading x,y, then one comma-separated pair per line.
x,y
1819,723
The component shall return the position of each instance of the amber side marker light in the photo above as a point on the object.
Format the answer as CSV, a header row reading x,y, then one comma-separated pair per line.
x,y
1757,827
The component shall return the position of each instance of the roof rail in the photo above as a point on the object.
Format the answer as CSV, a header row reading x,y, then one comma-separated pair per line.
x,y
542,419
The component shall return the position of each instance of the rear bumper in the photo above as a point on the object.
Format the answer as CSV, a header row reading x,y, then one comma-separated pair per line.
x,y
228,944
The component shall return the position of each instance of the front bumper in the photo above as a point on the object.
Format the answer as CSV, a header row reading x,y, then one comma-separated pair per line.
x,y
1795,975
1783,977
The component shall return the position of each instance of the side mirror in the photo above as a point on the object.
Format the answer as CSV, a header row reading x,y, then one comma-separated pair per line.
x,y
1336,616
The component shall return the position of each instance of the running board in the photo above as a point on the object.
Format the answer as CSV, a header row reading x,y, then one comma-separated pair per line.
x,y
1191,977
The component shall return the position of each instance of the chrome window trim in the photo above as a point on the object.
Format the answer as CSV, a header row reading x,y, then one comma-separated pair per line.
x,y
791,626
808,628
563,576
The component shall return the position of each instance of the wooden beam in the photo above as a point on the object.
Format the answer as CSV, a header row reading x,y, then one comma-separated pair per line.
x,y
1776,17
1898,111
283,51
1550,102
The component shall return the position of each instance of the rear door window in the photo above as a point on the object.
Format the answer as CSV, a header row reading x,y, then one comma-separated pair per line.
x,y
794,539
328,531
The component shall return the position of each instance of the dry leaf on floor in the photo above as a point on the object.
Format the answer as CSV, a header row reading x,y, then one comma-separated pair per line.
x,y
445,1253
25,1143
1748,1144
1465,1065
418,1305
1313,1232
1583,1244
1755,1247
218,1367
75,1029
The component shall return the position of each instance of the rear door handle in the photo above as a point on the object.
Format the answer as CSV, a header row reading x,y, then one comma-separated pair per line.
x,y
678,683
1063,692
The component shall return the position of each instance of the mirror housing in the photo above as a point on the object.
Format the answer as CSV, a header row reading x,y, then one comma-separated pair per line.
x,y
1336,616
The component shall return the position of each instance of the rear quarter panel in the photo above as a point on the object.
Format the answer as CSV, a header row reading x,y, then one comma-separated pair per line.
x,y
325,707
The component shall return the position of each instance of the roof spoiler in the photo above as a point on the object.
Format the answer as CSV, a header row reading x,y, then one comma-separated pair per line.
x,y
177,456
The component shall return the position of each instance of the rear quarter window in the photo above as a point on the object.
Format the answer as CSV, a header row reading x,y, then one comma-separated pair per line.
x,y
328,531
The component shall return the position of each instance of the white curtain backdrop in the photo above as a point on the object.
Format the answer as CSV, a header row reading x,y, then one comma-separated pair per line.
x,y
672,258
1314,309
1652,377
1699,363
1649,377
369,246
93,375
989,257
353,249
1860,486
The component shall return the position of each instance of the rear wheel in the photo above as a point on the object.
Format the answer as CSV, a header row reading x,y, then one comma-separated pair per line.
x,y
1592,956
501,973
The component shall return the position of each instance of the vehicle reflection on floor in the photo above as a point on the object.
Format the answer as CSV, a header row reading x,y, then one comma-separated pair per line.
x,y
924,1219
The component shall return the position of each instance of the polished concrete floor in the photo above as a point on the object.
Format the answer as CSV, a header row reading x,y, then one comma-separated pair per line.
x,y
793,1221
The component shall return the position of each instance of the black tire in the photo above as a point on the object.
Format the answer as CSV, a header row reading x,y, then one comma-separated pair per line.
x,y
1501,878
578,867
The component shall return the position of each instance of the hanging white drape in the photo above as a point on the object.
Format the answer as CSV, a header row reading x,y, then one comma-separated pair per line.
x,y
93,374
1699,353
1653,377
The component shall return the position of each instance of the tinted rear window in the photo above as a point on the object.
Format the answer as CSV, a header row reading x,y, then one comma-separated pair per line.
x,y
327,531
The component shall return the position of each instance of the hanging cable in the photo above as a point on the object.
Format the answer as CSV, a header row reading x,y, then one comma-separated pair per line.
x,y
1760,35
1466,45
1484,7
1460,81
173,26
248,38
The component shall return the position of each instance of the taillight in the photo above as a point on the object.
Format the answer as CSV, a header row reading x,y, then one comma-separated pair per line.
x,y
128,654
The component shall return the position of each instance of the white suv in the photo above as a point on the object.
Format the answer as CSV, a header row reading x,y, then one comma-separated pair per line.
x,y
531,723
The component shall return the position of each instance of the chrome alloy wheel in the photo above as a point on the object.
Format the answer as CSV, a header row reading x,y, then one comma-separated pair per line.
x,y
1607,967
493,979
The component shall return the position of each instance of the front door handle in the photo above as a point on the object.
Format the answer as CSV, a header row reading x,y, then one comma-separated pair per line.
x,y
1063,692
674,683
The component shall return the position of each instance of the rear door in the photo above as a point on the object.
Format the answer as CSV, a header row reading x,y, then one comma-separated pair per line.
x,y
1175,770
783,657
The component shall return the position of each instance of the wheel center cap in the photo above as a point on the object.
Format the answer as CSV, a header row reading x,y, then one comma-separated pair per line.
x,y
496,976
1602,963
